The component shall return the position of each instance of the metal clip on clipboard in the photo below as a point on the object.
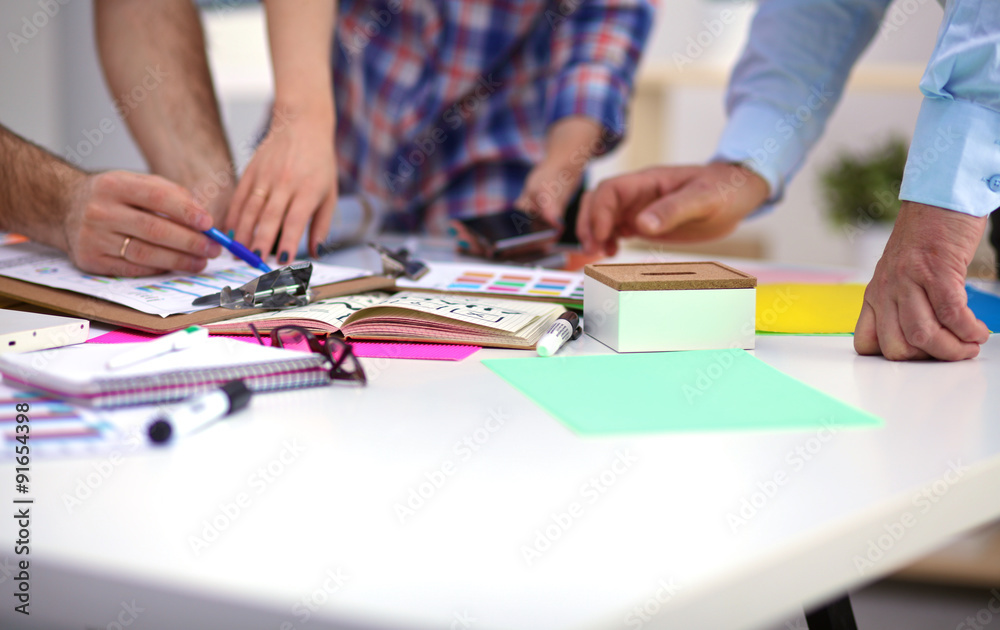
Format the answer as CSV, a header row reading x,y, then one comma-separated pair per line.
x,y
398,264
282,288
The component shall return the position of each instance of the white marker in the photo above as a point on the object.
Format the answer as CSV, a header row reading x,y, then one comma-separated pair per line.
x,y
200,411
565,328
179,340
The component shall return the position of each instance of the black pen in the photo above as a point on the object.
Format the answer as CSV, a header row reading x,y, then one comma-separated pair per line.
x,y
194,414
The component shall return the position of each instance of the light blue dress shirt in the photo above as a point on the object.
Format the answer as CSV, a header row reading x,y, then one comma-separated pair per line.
x,y
792,74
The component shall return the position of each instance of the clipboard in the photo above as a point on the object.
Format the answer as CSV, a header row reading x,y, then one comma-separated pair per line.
x,y
97,309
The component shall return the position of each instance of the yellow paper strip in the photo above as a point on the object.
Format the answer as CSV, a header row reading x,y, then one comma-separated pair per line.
x,y
809,308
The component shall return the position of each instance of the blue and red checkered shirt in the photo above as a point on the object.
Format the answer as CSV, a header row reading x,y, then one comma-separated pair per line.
x,y
443,105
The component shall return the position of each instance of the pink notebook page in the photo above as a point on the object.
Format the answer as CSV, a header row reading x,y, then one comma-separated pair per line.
x,y
362,349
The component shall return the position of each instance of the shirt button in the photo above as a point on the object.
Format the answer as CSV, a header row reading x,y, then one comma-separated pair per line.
x,y
994,183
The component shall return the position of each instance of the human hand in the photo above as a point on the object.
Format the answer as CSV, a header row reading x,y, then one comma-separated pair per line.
x,y
291,181
128,224
915,306
570,143
669,203
548,189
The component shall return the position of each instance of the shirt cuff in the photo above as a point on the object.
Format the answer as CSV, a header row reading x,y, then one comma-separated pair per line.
x,y
596,92
954,159
763,140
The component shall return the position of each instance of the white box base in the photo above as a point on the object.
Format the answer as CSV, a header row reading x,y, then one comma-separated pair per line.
x,y
656,321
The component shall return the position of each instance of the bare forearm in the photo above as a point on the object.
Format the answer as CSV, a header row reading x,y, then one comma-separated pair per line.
x,y
573,141
301,34
153,53
36,190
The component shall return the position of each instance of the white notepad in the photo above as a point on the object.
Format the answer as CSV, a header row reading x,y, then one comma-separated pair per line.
x,y
79,373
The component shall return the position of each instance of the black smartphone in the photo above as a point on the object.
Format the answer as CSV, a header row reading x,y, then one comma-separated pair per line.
x,y
510,233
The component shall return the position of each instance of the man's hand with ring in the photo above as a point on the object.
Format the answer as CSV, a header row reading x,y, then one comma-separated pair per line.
x,y
128,224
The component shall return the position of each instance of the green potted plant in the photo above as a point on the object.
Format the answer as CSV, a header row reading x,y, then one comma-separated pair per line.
x,y
862,197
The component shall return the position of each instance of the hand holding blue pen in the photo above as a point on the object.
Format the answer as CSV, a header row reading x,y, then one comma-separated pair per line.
x,y
239,250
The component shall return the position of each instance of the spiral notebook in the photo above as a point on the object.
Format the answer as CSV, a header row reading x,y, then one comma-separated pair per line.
x,y
79,374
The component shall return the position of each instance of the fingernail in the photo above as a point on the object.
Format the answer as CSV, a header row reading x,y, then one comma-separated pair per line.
x,y
231,233
283,258
463,244
256,253
452,232
649,222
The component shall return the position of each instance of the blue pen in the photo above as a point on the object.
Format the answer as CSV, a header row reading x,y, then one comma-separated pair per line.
x,y
238,250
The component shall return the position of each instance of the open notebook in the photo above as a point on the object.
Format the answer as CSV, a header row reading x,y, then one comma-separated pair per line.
x,y
414,316
80,374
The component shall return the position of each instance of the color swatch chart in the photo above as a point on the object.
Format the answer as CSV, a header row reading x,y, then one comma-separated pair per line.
x,y
58,429
500,280
163,295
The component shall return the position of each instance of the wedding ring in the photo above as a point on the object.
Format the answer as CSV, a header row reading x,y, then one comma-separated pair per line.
x,y
260,192
121,252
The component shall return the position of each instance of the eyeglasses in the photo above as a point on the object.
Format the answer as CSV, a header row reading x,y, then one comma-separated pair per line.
x,y
344,366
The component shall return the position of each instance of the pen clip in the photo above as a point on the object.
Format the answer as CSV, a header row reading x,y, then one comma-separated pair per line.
x,y
286,287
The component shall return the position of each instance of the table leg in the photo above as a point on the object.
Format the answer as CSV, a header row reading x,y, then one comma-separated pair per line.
x,y
837,615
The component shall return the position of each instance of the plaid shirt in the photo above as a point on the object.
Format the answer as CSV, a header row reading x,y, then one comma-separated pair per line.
x,y
443,105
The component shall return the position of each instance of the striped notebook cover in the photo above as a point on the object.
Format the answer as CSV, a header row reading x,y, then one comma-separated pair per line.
x,y
79,373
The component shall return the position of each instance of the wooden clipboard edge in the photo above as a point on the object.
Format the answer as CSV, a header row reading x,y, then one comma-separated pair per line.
x,y
97,309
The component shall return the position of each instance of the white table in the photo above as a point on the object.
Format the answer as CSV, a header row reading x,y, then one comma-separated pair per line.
x,y
321,533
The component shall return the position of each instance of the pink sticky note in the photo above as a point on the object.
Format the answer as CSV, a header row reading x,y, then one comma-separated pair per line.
x,y
124,335
362,349
431,351
774,274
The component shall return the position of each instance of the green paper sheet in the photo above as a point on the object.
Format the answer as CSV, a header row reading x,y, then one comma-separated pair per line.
x,y
655,392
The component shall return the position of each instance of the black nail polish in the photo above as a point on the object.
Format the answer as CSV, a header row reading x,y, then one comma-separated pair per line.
x,y
283,258
256,253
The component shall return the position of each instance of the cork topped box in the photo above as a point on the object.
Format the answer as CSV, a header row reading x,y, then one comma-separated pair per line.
x,y
651,307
